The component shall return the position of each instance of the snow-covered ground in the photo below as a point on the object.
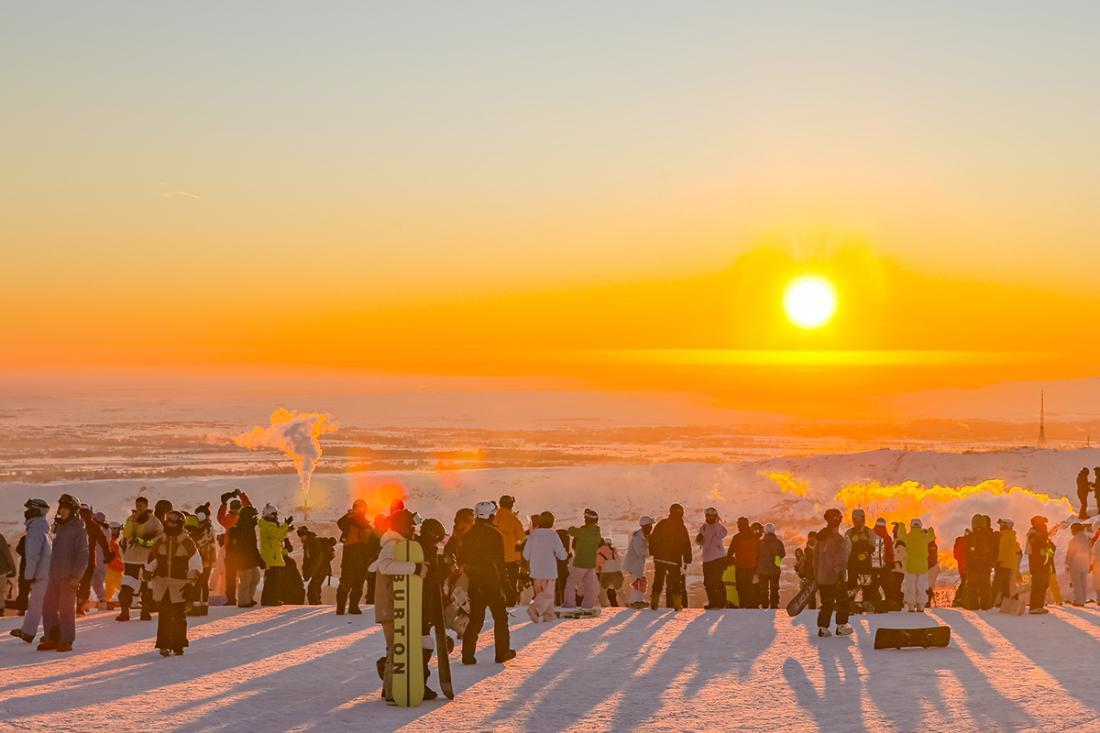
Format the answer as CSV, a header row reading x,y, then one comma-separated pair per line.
x,y
305,669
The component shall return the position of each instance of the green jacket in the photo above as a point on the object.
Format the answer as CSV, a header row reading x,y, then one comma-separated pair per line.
x,y
586,540
916,548
272,535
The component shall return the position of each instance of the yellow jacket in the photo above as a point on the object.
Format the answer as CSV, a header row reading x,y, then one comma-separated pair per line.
x,y
511,531
1008,554
272,535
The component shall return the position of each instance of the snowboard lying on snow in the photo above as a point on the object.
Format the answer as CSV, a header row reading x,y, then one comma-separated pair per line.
x,y
925,637
577,612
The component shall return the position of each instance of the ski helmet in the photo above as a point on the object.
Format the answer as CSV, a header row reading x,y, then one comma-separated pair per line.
x,y
590,514
70,502
41,505
270,510
646,520
432,531
485,509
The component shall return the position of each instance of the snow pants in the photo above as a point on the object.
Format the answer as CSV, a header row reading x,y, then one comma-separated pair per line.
x,y
480,600
589,583
272,591
511,583
59,611
746,588
246,589
171,625
769,591
1040,581
979,593
34,607
112,582
1002,577
133,584
915,590
231,580
1080,581
662,572
543,602
833,598
712,582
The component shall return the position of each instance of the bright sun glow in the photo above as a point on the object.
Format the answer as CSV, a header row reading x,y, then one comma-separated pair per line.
x,y
810,301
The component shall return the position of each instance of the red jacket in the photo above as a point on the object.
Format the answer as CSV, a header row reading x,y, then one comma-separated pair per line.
x,y
744,549
960,553
229,519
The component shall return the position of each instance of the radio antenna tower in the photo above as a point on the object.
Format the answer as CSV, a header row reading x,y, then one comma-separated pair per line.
x,y
1042,420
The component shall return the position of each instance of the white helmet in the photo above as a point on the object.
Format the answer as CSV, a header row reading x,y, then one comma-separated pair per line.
x,y
485,509
646,520
270,510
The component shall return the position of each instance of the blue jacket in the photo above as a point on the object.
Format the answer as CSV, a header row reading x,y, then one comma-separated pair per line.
x,y
69,558
36,549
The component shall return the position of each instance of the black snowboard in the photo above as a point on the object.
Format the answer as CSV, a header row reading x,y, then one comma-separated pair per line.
x,y
802,598
925,637
443,650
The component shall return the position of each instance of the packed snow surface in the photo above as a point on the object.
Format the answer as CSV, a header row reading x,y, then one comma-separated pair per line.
x,y
306,669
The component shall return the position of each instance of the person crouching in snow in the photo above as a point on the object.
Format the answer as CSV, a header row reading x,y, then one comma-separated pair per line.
x,y
386,566
634,563
830,569
586,542
916,541
173,567
543,550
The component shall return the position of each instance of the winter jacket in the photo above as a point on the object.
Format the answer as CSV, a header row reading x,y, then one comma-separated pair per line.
x,y
608,560
901,559
174,562
205,543
1039,549
862,539
139,537
636,553
669,542
272,535
37,549
712,537
543,550
745,550
1008,549
959,552
511,533
831,556
980,547
7,562
97,540
586,540
241,546
116,563
481,555
227,518
882,549
69,556
1078,553
916,544
771,552
385,566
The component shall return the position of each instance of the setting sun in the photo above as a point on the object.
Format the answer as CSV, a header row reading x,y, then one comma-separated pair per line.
x,y
810,301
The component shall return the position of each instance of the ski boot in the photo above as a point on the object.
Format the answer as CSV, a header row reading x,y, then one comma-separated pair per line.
x,y
18,634
66,647
165,652
823,631
509,654
844,630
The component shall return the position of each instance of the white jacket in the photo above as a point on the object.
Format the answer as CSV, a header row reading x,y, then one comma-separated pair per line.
x,y
543,550
636,553
1078,555
37,549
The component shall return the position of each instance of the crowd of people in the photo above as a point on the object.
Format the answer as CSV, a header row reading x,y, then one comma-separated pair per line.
x,y
167,561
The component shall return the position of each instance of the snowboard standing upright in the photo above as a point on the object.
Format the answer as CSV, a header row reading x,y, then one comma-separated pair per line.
x,y
443,650
408,654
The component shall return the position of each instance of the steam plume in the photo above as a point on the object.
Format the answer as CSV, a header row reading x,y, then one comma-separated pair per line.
x,y
296,434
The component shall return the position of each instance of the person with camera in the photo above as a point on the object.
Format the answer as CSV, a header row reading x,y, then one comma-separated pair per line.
x,y
228,514
272,534
361,546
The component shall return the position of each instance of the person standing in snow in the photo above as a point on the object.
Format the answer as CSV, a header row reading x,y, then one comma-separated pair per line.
x,y
543,550
201,531
1038,559
804,565
68,561
634,562
1078,559
272,533
1084,488
37,546
173,567
979,556
859,562
897,572
1008,560
139,534
361,545
113,580
744,551
830,570
882,560
386,565
242,551
511,533
712,541
481,555
609,571
97,554
916,539
671,548
8,571
586,541
768,562
228,514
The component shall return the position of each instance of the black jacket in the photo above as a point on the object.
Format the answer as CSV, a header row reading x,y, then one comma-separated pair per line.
x,y
242,545
669,541
481,555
